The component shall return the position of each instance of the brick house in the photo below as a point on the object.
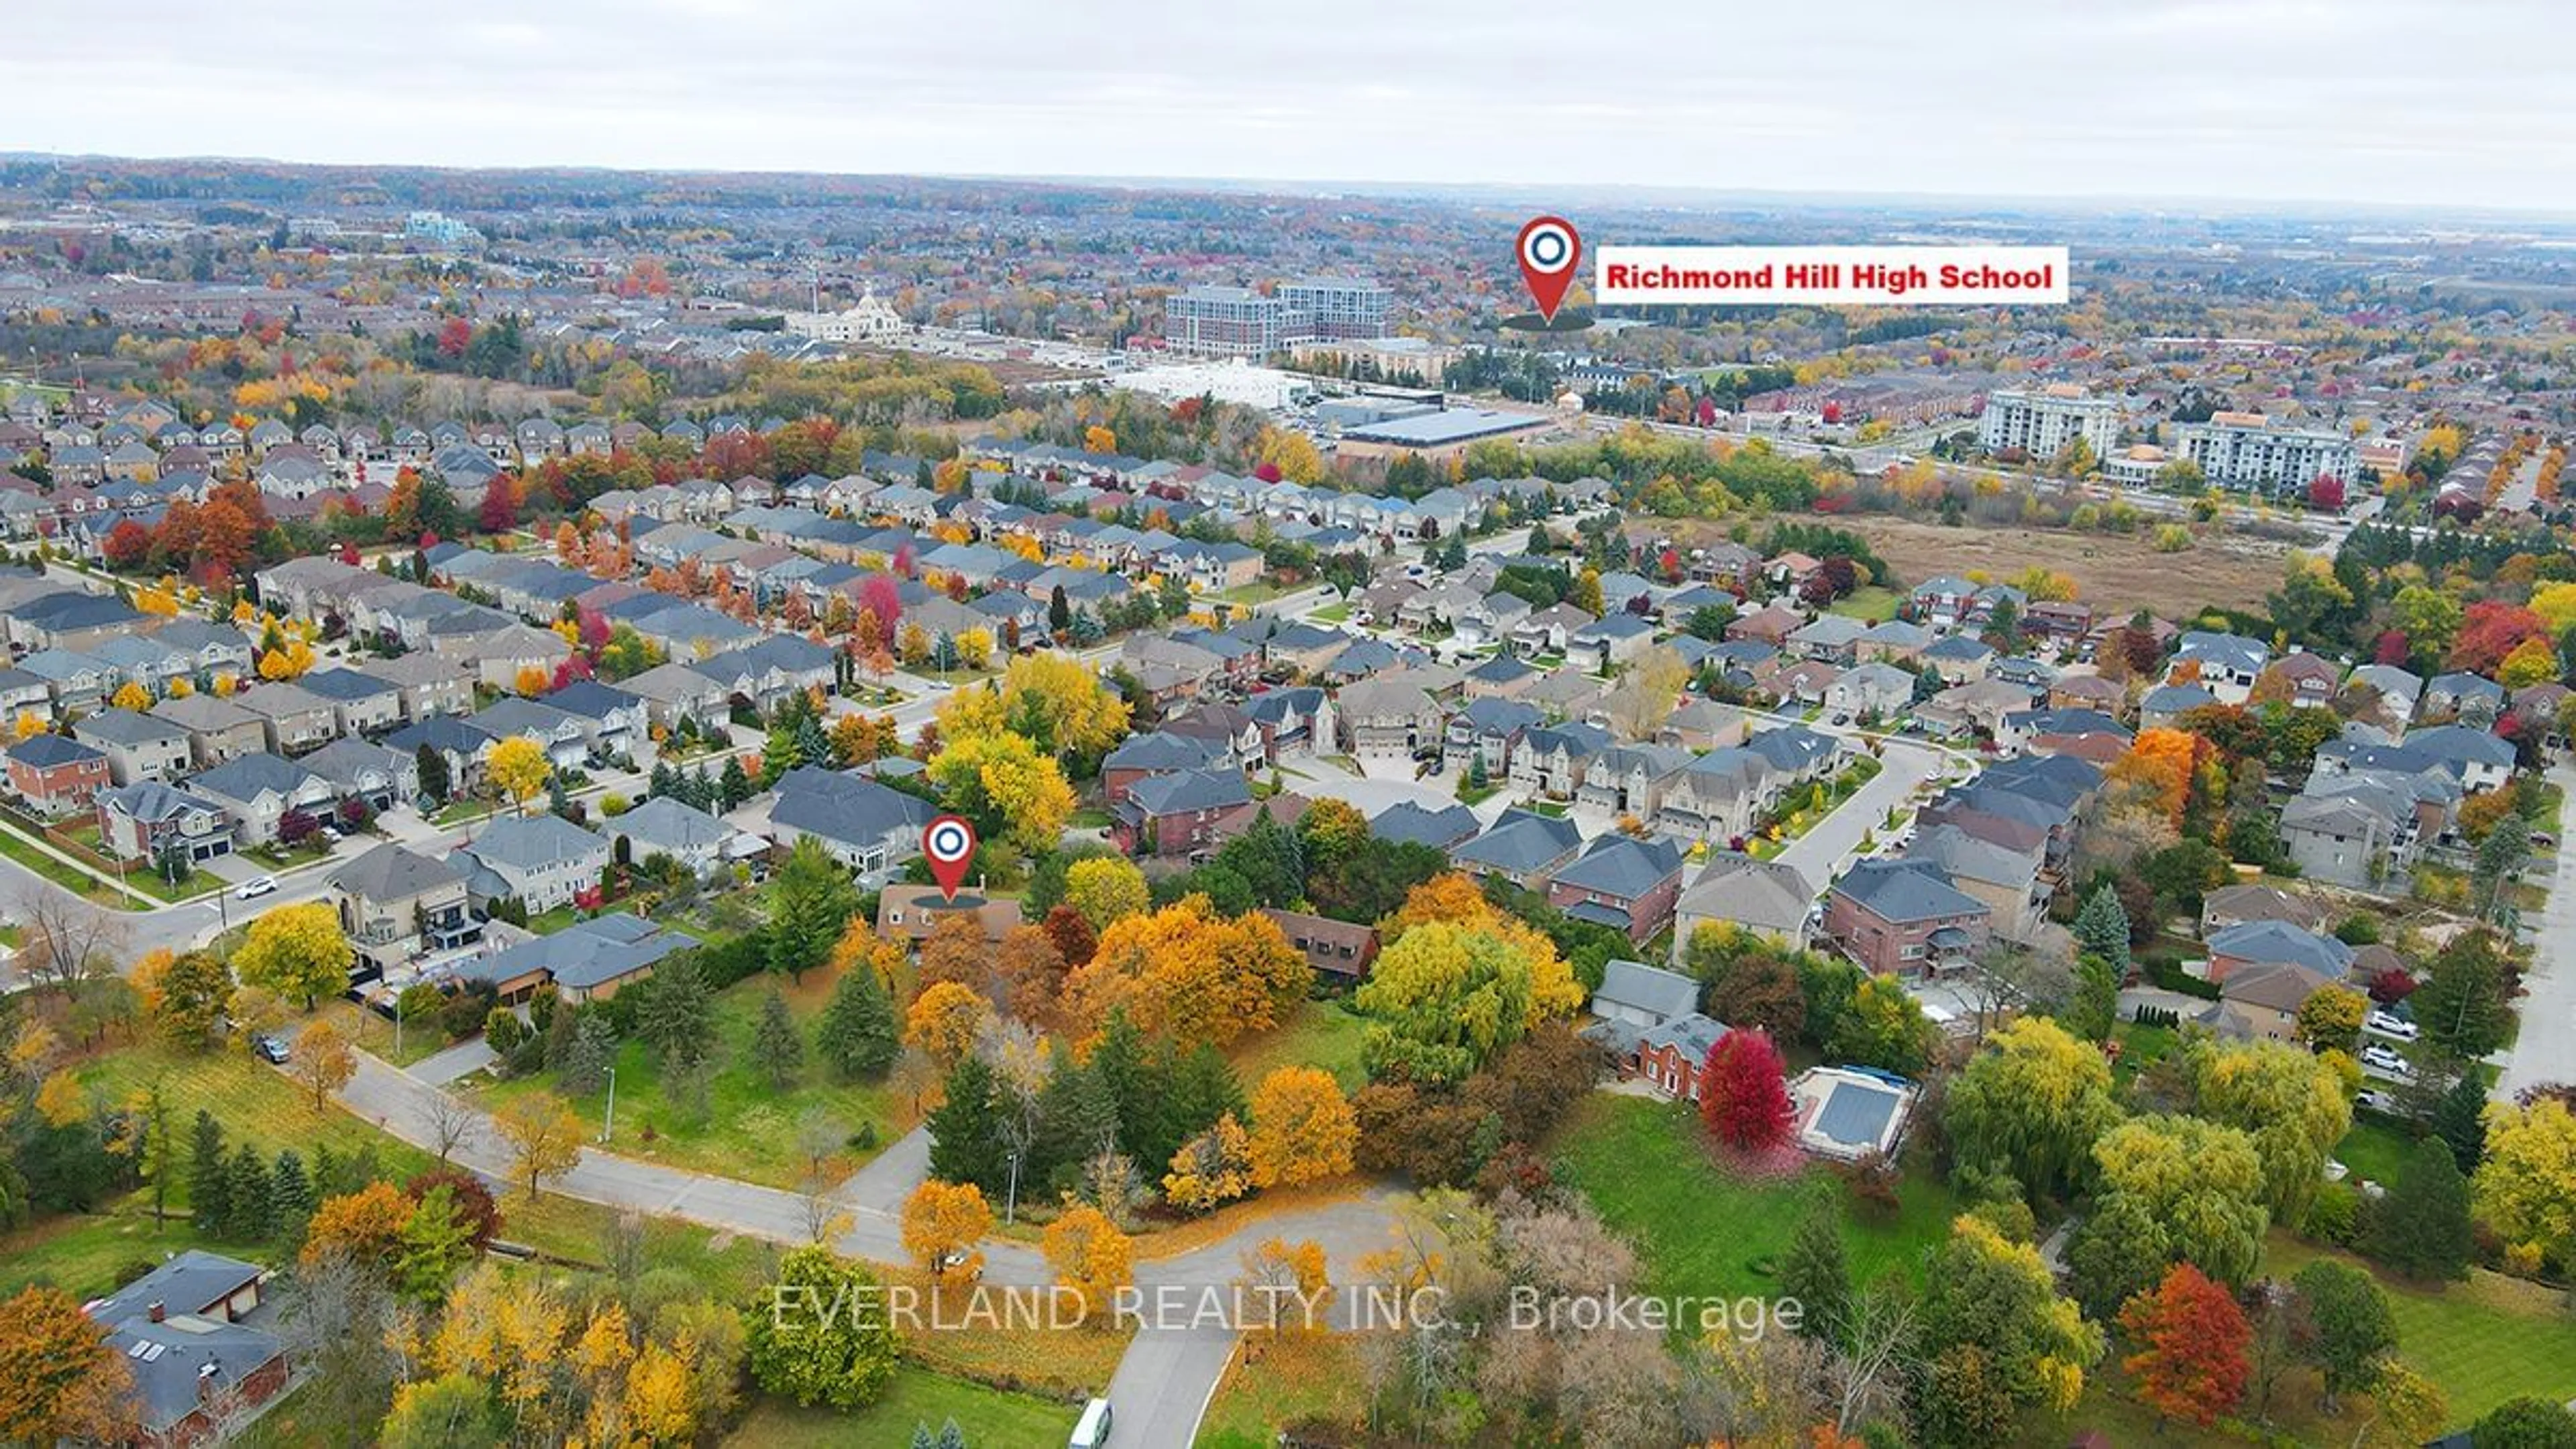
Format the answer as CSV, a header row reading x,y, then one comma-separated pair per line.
x,y
1622,882
57,774
1904,918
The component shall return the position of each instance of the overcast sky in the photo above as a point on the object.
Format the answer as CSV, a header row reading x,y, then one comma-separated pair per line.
x,y
2435,101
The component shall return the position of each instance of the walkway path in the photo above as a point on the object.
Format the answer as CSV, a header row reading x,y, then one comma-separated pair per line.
x,y
2545,1049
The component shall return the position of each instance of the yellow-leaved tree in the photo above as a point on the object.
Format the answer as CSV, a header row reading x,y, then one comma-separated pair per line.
x,y
942,1223
519,769
1191,974
1091,1257
1303,1128
297,952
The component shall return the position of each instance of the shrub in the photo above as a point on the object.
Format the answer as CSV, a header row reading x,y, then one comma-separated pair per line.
x,y
2334,1219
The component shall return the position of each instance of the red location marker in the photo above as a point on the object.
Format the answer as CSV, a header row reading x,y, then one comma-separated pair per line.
x,y
948,843
1549,250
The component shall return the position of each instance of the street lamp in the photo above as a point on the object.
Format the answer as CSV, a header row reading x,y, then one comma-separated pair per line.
x,y
609,1123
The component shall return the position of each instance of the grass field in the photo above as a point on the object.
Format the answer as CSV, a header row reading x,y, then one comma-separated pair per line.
x,y
1699,1230
2484,1341
1872,605
2375,1148
749,1128
2113,572
1273,1383
1322,1034
916,1397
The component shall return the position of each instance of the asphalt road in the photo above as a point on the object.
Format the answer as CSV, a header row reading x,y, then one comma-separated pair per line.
x,y
1830,843
2545,1051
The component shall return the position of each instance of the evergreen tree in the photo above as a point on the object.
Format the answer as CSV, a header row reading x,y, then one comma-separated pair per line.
x,y
777,1048
676,1020
561,1025
1077,1116
2093,1007
858,1036
2102,929
664,779
966,1130
249,1205
921,1437
950,1436
1815,1274
735,786
2421,1228
1189,1094
2460,1121
812,746
432,765
208,1197
1059,612
591,1048
290,1195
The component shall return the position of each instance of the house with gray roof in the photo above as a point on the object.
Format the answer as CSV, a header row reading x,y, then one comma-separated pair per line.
x,y
1766,898
256,791
361,703
395,904
586,961
664,826
1178,813
218,729
674,692
150,820
1905,918
1622,882
867,826
199,1345
1521,846
540,861
1440,827
380,775
2250,944
1643,996
292,719
138,746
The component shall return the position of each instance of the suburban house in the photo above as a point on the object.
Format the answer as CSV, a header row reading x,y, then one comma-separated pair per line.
x,y
1176,814
395,904
199,1344
361,704
2252,944
375,775
257,791
137,746
1903,917
1767,898
1486,729
1335,950
1719,796
218,729
865,825
148,821
2237,904
56,774
664,826
910,913
1622,882
1670,1055
585,961
292,719
540,861
2012,883
1389,718
1638,995
1521,846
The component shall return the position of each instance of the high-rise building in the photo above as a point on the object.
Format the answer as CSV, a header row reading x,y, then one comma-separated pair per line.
x,y
1336,309
1224,322
1209,321
2244,450
2040,424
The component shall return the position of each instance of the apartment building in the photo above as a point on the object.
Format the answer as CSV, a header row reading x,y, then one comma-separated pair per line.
x,y
2040,424
2244,450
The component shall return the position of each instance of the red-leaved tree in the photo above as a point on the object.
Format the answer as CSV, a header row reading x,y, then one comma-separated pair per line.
x,y
1744,1092
2325,491
2192,1341
2489,631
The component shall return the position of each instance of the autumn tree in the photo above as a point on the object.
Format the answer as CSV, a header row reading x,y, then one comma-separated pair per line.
x,y
1191,974
2159,770
942,1223
2192,1341
1211,1169
1303,1129
363,1227
296,951
2289,1102
322,1061
2169,1189
1092,1259
1055,701
830,1342
1456,983
518,768
2031,1105
2526,1187
1986,1293
1744,1092
543,1137
184,996
1030,971
1105,889
958,950
59,1377
945,1020
1291,1282
1002,783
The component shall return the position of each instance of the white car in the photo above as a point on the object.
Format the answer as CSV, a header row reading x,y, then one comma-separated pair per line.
x,y
2380,1058
2396,1028
252,890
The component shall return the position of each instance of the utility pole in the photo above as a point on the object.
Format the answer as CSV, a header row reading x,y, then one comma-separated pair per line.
x,y
608,1124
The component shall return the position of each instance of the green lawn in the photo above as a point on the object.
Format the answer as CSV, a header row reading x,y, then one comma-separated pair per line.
x,y
1332,613
917,1396
1699,1230
1089,817
61,872
749,1128
2484,1341
2375,1148
1322,1034
1872,604
89,1255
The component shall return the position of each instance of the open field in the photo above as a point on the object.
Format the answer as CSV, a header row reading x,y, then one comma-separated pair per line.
x,y
2113,572
1702,1231
1321,1034
1273,1383
917,1396
2484,1341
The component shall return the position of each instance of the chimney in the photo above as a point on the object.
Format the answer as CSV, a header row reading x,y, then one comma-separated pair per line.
x,y
158,1311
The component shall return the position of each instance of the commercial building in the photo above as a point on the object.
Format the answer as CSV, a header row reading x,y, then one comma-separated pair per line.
x,y
2244,450
1337,309
2040,424
1211,321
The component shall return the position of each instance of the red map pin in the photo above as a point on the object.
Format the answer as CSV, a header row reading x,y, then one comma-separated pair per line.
x,y
1549,250
948,843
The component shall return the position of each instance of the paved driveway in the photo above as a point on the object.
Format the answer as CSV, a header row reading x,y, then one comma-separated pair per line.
x,y
1830,844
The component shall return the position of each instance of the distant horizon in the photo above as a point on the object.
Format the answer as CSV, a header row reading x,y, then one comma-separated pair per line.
x,y
1642,194
2255,103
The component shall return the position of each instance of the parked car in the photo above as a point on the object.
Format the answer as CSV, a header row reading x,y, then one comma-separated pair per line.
x,y
270,1049
252,890
2390,1025
2377,1101
2381,1058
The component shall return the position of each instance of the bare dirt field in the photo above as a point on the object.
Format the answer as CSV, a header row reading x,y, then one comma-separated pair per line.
x,y
2115,573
